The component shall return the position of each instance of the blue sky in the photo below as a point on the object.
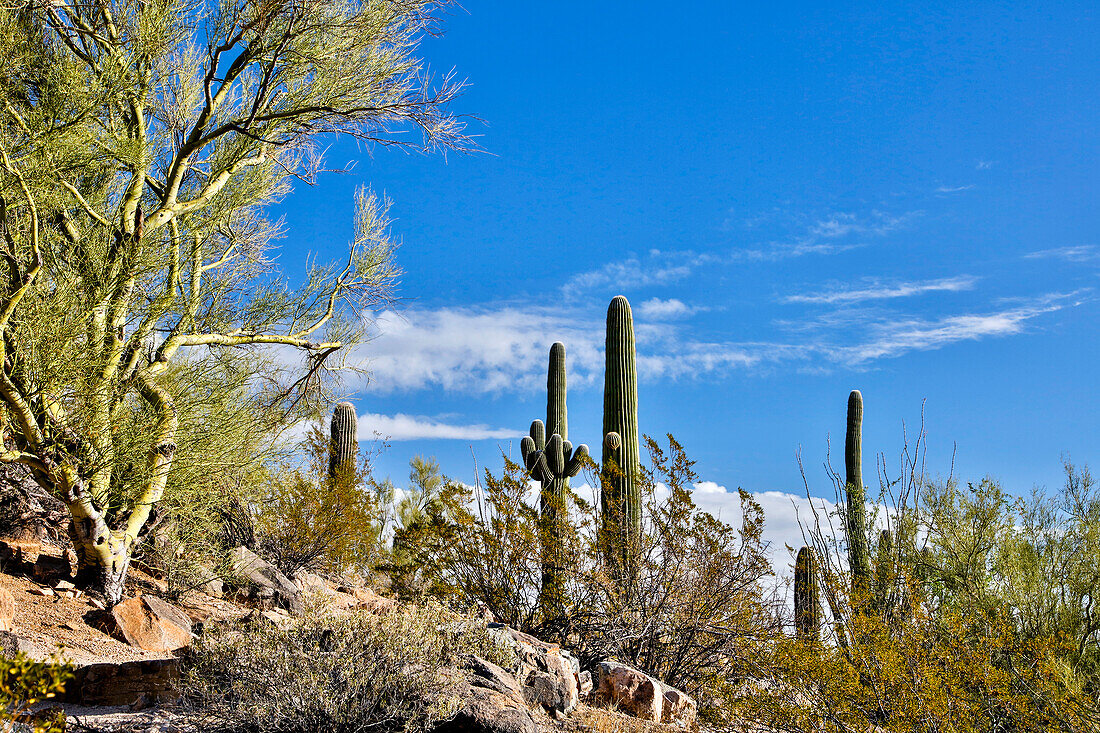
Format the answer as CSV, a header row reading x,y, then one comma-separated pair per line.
x,y
797,201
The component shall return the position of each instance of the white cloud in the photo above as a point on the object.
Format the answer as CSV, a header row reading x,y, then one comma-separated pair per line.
x,y
984,165
893,339
663,310
879,291
478,350
954,189
504,350
1078,253
412,427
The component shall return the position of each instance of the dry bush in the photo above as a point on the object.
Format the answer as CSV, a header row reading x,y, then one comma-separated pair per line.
x,y
352,672
308,519
697,602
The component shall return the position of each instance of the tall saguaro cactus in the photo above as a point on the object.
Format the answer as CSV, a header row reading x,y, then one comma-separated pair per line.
x,y
807,610
620,499
343,444
553,462
856,496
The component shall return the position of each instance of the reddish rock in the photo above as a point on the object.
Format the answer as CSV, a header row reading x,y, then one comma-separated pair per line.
x,y
678,708
629,690
149,623
20,552
7,610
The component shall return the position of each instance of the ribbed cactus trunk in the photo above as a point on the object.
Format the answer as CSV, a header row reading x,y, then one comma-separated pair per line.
x,y
884,570
856,497
807,610
343,444
552,509
620,500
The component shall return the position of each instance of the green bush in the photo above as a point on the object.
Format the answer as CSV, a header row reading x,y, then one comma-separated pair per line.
x,y
333,673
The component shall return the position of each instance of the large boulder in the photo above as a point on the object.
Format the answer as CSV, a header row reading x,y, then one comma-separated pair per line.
x,y
124,683
629,690
489,676
678,707
149,623
546,674
267,578
487,711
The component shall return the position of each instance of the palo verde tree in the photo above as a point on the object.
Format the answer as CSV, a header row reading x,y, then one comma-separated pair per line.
x,y
141,143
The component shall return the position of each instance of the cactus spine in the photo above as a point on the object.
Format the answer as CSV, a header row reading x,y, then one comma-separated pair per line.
x,y
620,497
807,610
855,497
343,444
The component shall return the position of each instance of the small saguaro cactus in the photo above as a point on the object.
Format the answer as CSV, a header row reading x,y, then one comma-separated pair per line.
x,y
884,570
807,610
343,444
620,499
856,497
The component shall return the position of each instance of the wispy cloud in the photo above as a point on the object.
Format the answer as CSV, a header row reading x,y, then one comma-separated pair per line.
x,y
656,267
666,310
894,338
414,427
1078,253
881,291
954,189
984,165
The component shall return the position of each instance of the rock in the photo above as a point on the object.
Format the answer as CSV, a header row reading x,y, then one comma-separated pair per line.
x,y
213,587
7,610
12,644
48,566
678,708
97,604
545,673
309,582
629,690
368,600
63,585
124,683
40,591
491,677
20,552
584,683
249,566
149,623
486,711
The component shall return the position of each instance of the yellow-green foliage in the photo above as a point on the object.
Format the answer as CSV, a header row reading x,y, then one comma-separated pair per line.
x,y
24,682
308,518
930,671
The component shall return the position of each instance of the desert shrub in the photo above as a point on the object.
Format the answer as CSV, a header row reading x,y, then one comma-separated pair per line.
x,y
975,619
697,598
352,672
25,682
925,672
307,518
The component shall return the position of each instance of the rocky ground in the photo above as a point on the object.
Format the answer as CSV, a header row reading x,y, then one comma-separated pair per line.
x,y
127,658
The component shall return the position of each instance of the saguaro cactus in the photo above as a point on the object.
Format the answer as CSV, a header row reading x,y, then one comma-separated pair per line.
x,y
343,444
884,570
856,497
553,462
620,498
807,610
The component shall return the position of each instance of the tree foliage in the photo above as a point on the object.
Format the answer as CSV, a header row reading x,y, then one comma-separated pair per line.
x,y
141,145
